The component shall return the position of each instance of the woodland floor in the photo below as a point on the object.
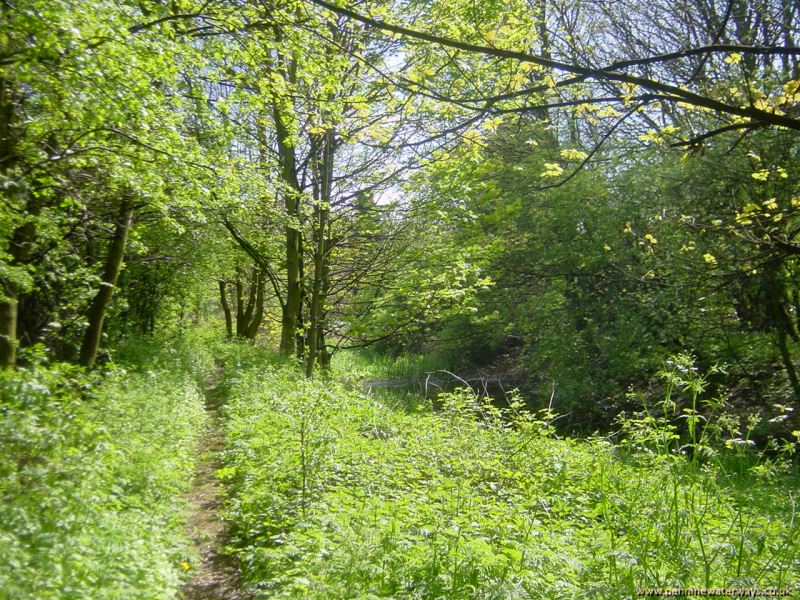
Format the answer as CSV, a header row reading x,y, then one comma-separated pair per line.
x,y
216,575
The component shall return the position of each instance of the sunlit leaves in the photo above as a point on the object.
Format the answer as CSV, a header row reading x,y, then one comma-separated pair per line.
x,y
733,58
552,170
573,154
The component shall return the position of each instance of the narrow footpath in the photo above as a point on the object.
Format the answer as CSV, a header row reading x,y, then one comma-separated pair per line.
x,y
216,576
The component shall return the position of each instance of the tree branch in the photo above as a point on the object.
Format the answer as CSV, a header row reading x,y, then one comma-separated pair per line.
x,y
180,17
681,95
597,147
714,132
257,258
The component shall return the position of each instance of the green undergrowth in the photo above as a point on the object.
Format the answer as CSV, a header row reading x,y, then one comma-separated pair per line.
x,y
339,494
357,367
92,474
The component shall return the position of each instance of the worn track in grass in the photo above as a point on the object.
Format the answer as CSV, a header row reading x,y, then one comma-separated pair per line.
x,y
216,577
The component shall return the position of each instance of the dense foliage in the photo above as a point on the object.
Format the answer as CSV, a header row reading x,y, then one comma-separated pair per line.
x,y
596,282
596,203
92,473
341,494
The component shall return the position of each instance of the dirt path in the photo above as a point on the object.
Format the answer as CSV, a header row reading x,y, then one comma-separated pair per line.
x,y
216,577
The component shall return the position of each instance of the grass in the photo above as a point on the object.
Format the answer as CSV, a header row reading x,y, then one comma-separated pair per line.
x,y
338,494
92,474
335,492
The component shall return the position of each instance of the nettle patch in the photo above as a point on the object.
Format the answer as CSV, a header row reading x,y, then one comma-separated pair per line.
x,y
340,494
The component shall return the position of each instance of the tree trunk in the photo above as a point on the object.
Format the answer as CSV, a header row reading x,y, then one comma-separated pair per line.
x,y
258,312
8,325
239,303
291,193
300,338
324,355
322,211
293,306
251,305
10,289
226,309
97,311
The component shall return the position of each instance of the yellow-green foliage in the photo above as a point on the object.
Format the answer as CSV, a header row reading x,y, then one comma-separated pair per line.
x,y
92,473
337,494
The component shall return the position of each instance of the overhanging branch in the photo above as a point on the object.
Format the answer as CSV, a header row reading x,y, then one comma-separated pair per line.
x,y
603,74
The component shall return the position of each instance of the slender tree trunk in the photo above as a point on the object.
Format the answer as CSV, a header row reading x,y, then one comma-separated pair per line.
x,y
783,346
226,309
9,304
239,288
8,325
258,313
20,250
314,313
21,243
322,212
251,305
324,355
293,306
97,311
286,67
300,338
291,193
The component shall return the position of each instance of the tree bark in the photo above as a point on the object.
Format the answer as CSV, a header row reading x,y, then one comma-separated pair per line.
x,y
226,309
8,325
97,311
239,289
324,355
247,319
10,289
258,311
322,212
291,193
300,338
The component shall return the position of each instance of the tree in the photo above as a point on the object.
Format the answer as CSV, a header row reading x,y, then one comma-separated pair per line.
x,y
318,136
762,111
66,148
113,265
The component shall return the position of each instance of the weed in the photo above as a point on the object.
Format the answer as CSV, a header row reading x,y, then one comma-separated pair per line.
x,y
339,494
